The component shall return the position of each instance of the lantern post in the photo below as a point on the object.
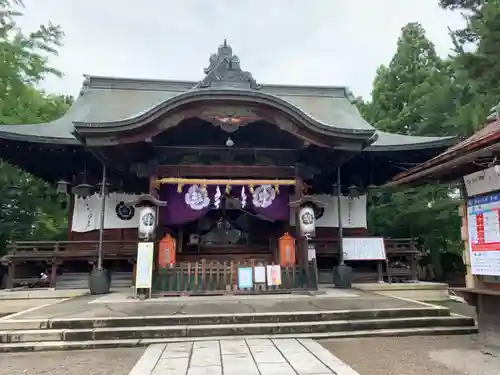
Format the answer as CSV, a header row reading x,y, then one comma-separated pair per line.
x,y
148,207
342,273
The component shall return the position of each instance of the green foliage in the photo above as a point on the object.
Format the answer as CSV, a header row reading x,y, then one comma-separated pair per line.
x,y
477,49
421,94
36,212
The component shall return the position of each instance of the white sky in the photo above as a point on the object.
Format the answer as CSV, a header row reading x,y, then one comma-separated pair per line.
x,y
307,42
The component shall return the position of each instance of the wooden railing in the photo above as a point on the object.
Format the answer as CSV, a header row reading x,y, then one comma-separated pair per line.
x,y
124,248
49,250
222,278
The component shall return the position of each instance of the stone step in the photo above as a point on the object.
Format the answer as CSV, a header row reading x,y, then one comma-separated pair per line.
x,y
101,344
242,318
207,330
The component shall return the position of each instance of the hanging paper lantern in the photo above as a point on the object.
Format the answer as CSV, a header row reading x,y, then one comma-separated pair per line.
x,y
147,222
307,221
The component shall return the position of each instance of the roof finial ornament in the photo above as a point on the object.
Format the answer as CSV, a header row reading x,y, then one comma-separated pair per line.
x,y
224,70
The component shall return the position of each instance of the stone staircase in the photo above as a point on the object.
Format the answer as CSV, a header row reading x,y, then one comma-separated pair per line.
x,y
78,333
80,280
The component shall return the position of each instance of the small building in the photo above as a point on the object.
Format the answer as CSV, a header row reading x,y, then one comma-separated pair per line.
x,y
474,163
226,153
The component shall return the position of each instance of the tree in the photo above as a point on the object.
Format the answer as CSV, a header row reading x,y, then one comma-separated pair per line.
x,y
477,49
418,93
36,212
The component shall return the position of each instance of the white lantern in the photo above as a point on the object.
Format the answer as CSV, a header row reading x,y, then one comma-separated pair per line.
x,y
307,221
147,222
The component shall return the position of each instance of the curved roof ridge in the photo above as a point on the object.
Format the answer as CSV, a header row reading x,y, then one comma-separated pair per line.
x,y
131,83
228,94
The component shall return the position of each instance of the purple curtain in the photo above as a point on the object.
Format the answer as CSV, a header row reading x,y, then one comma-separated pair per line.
x,y
279,208
179,212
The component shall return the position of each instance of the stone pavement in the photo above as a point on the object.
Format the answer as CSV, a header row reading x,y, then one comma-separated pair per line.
x,y
117,305
241,357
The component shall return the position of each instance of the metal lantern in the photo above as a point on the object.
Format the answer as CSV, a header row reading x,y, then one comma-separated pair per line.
x,y
62,187
83,190
307,221
354,191
106,189
371,189
335,189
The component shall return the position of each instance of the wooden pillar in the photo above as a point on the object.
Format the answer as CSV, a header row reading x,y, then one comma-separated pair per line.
x,y
414,268
11,274
53,273
302,243
154,192
71,208
380,272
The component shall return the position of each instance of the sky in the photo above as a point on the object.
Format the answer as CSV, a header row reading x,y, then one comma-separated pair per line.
x,y
303,42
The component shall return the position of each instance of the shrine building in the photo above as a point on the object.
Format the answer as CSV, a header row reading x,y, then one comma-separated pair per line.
x,y
227,162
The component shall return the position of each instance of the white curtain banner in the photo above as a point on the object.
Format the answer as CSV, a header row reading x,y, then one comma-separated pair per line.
x,y
87,213
353,212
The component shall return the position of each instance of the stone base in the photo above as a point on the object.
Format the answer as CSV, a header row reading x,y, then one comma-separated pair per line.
x,y
99,281
342,276
420,291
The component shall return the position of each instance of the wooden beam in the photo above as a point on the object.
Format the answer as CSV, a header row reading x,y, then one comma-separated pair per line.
x,y
202,181
230,171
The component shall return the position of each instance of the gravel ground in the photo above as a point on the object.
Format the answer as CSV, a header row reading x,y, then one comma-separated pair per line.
x,y
81,362
438,355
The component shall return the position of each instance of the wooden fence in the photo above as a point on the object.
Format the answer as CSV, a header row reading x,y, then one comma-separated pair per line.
x,y
210,278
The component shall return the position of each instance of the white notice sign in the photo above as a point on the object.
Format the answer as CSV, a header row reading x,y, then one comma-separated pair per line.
x,y
259,274
364,248
144,269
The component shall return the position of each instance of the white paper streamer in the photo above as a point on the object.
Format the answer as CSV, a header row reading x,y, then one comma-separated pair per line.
x,y
217,197
243,197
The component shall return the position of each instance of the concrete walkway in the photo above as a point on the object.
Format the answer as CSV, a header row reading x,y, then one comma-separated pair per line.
x,y
241,357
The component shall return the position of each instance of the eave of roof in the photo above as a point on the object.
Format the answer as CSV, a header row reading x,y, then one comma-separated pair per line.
x,y
457,154
399,142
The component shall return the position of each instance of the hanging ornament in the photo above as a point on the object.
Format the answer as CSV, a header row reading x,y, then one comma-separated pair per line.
x,y
204,189
277,188
179,188
217,197
251,188
263,196
243,197
228,189
196,198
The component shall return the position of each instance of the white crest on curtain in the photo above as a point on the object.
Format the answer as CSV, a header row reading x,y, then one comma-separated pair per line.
x,y
243,197
197,198
263,196
217,197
